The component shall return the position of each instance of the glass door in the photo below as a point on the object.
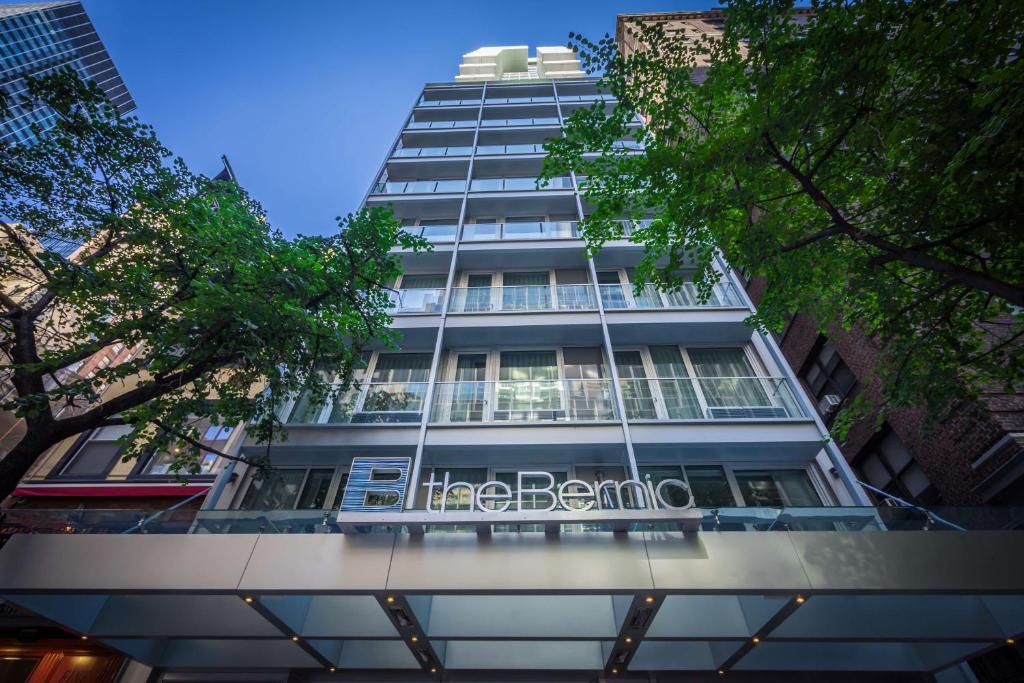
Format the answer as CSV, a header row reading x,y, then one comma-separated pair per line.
x,y
678,396
528,387
396,389
478,294
469,401
728,382
636,389
613,292
526,291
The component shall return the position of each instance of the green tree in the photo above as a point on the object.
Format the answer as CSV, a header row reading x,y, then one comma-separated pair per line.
x,y
228,315
867,163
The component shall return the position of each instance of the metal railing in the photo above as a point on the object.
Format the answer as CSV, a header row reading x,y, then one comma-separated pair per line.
x,y
419,186
433,233
893,519
556,400
459,123
425,300
537,148
709,398
371,402
539,99
647,297
530,230
448,103
531,121
458,151
518,184
522,298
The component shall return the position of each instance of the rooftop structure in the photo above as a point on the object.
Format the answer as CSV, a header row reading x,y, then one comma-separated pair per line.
x,y
514,63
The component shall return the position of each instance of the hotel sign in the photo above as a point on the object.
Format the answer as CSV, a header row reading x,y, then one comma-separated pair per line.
x,y
377,489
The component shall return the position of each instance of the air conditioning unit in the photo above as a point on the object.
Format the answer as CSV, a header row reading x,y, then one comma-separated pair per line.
x,y
829,404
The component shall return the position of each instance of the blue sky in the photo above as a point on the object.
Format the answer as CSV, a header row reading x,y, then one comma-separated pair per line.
x,y
306,97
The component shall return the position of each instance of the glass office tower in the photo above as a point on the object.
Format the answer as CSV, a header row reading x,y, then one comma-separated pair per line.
x,y
39,38
526,365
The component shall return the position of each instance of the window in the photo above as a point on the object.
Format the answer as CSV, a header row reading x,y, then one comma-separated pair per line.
x,y
397,388
886,464
727,378
214,436
295,489
828,378
93,456
708,485
776,488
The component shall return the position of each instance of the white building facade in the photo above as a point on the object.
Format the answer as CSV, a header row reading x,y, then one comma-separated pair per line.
x,y
563,474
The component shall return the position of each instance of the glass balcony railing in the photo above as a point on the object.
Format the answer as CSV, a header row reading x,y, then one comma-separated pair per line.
x,y
719,519
531,230
433,151
568,400
522,298
709,398
460,123
520,100
518,184
433,233
416,300
592,97
449,103
649,297
372,402
533,121
510,149
419,186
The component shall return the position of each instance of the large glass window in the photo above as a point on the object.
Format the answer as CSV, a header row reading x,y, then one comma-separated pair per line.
x,y
677,392
727,378
708,485
528,387
397,386
526,291
295,489
776,488
636,391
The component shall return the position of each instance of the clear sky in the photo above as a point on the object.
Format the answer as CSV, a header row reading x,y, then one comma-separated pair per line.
x,y
306,96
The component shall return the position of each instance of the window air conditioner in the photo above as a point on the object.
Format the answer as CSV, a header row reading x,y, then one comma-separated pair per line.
x,y
829,404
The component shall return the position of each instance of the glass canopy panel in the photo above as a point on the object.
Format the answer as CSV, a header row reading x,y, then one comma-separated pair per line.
x,y
331,616
523,654
518,616
714,616
366,654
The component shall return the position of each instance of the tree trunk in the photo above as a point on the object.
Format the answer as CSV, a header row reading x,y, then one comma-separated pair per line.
x,y
19,459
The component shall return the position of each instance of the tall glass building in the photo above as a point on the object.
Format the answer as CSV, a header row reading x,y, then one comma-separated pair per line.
x,y
563,475
39,38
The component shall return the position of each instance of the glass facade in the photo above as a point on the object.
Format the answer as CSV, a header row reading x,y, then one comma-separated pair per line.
x,y
39,39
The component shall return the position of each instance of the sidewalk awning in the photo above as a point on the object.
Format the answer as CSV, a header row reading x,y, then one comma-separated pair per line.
x,y
462,603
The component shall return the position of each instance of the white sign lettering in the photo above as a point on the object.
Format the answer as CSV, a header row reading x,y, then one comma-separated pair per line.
x,y
574,495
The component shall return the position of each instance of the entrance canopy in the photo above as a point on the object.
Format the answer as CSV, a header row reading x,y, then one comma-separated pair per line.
x,y
458,604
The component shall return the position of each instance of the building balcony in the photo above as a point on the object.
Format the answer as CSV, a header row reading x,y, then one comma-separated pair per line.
x,y
489,150
414,152
520,121
435,234
649,297
709,398
419,187
412,301
371,403
528,401
532,230
450,103
459,123
522,298
519,184
539,99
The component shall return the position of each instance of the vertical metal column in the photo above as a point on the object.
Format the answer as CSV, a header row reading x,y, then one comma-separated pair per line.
x,y
428,402
616,385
